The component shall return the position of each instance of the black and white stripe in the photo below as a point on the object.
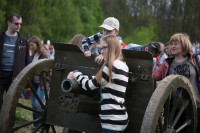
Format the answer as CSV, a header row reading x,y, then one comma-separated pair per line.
x,y
113,112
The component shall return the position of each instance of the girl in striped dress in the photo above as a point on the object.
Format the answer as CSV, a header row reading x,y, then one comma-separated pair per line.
x,y
113,78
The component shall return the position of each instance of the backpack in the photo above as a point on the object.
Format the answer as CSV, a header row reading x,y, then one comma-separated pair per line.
x,y
197,64
196,61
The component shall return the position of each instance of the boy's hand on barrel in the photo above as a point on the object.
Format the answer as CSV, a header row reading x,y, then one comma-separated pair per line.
x,y
87,54
70,75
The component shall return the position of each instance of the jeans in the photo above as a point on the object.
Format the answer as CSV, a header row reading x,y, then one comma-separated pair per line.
x,y
198,114
34,101
110,131
5,81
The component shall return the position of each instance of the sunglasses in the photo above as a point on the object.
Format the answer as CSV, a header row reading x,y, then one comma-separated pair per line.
x,y
156,49
104,47
17,23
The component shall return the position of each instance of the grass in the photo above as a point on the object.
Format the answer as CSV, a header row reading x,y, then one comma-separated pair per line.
x,y
23,116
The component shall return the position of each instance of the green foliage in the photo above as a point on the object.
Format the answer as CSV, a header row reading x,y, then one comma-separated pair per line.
x,y
61,20
142,35
2,14
56,20
141,21
91,15
119,10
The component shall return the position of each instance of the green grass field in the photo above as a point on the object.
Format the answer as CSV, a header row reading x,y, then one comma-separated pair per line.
x,y
23,116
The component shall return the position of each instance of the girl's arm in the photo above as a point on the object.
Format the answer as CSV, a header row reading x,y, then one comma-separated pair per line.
x,y
87,82
158,73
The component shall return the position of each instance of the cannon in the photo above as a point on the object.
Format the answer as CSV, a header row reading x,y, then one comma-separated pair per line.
x,y
150,109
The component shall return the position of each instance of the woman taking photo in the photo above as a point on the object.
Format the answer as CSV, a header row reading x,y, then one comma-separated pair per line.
x,y
113,78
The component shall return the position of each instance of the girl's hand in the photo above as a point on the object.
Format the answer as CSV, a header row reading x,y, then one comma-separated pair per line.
x,y
99,58
70,76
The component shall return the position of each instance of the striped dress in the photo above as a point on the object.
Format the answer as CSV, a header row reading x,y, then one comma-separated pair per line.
x,y
113,113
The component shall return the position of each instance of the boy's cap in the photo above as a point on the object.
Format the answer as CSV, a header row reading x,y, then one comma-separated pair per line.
x,y
110,23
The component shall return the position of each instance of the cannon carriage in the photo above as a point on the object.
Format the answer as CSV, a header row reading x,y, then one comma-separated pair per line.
x,y
150,109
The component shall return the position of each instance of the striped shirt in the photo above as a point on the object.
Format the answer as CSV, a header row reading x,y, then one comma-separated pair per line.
x,y
113,113
8,55
86,42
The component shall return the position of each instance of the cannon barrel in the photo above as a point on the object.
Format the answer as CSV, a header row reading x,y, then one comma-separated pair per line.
x,y
68,84
80,104
72,86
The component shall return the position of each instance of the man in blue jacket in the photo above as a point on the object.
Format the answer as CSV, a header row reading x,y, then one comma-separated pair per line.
x,y
14,53
153,48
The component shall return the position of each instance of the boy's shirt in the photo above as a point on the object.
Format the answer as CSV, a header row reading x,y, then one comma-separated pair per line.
x,y
94,39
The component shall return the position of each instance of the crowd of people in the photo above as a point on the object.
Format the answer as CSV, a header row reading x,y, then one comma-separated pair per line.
x,y
170,58
175,57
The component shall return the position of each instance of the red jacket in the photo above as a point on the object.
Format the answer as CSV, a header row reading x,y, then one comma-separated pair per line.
x,y
123,45
162,71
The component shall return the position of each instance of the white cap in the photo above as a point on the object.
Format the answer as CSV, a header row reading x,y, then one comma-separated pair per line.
x,y
110,23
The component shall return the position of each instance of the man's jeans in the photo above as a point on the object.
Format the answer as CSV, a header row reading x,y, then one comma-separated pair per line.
x,y
5,81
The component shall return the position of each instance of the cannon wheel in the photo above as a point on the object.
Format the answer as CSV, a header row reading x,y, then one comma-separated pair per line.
x,y
164,112
11,102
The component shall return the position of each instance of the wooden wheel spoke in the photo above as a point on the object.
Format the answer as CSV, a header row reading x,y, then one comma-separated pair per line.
x,y
43,76
185,104
160,124
47,129
42,130
174,106
27,123
166,111
173,99
187,123
12,102
37,128
29,108
38,98
53,129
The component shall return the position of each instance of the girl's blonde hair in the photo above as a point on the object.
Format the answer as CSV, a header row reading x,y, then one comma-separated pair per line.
x,y
184,41
114,53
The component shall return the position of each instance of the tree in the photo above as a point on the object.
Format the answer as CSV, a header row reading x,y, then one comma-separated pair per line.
x,y
119,10
2,14
53,20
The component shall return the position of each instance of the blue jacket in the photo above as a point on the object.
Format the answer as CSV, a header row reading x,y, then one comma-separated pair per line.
x,y
138,48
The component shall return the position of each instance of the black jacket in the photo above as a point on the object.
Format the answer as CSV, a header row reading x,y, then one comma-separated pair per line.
x,y
21,58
